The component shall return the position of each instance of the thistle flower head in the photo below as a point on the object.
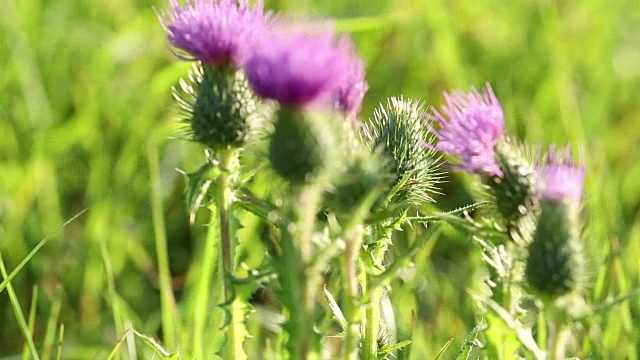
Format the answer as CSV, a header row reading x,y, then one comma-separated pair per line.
x,y
470,126
299,65
556,263
213,31
562,178
351,92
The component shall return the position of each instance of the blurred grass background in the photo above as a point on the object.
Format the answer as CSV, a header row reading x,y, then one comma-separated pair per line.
x,y
85,94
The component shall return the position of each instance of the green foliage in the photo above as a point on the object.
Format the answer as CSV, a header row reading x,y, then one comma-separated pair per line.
x,y
470,343
363,180
197,189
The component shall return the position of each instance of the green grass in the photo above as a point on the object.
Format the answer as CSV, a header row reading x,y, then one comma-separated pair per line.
x,y
85,92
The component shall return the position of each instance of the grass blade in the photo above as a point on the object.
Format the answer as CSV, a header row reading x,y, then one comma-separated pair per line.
x,y
167,300
52,325
111,288
60,339
18,312
444,348
32,319
35,250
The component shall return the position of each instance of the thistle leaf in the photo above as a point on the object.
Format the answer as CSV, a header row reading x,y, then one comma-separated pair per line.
x,y
470,343
197,190
386,351
335,309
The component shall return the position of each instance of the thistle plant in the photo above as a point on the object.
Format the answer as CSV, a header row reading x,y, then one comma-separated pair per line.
x,y
472,130
307,69
538,205
339,190
555,267
398,134
555,263
316,224
217,105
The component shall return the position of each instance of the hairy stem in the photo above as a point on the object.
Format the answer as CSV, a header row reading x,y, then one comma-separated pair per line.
x,y
557,340
371,325
223,203
203,291
304,213
235,317
351,307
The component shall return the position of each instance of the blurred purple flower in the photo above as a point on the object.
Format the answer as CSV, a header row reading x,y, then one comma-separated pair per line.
x,y
351,92
214,31
474,126
562,178
300,65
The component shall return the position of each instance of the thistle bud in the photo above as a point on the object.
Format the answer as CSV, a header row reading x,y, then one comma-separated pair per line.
x,y
399,133
303,145
555,264
515,192
218,105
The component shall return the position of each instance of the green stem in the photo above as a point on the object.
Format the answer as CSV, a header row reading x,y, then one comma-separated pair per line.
x,y
557,340
304,212
202,301
223,202
307,348
371,325
511,292
236,329
351,307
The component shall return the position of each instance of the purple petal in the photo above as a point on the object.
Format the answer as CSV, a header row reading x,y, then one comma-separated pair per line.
x,y
470,126
299,65
214,32
351,92
562,178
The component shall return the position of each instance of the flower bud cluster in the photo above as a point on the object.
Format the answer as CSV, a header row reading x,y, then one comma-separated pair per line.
x,y
244,53
471,129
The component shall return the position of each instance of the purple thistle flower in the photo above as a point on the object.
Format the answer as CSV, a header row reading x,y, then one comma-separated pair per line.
x,y
474,126
214,31
299,66
562,178
351,92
